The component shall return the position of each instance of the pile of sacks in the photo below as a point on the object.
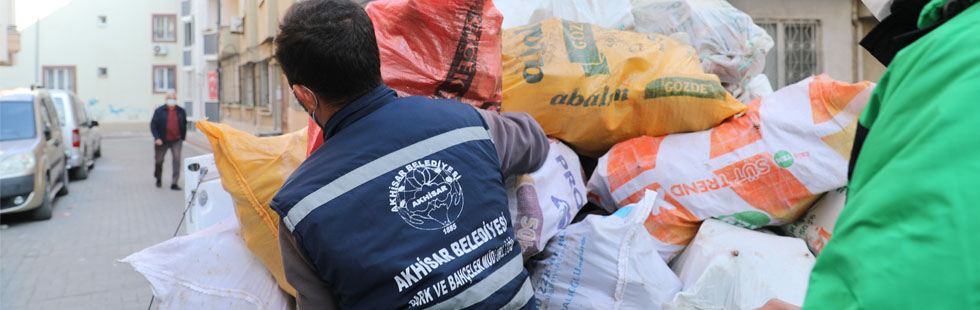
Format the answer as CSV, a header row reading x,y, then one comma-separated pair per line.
x,y
706,201
672,161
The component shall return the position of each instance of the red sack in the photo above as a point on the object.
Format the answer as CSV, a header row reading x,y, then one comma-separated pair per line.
x,y
314,136
436,48
440,48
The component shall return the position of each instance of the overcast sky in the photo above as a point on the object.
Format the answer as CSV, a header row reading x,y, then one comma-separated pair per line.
x,y
28,11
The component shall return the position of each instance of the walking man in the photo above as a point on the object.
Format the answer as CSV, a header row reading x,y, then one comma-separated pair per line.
x,y
169,127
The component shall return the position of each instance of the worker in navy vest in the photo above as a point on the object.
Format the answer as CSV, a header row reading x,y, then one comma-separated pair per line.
x,y
404,204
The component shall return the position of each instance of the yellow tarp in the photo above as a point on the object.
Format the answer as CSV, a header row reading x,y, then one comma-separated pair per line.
x,y
252,170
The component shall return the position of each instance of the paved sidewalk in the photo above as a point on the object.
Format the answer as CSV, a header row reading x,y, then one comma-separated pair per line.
x,y
70,261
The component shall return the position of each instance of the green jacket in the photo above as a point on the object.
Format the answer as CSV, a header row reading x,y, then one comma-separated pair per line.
x,y
909,236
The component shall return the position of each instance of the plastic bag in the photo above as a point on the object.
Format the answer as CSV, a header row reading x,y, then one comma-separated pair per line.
x,y
604,262
754,88
252,171
209,269
728,42
728,267
545,201
817,225
593,87
440,48
612,14
762,168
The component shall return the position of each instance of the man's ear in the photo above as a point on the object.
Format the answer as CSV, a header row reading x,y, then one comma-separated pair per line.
x,y
305,97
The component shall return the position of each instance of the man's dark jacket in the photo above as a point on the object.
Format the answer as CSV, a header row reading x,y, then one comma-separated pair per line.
x,y
158,124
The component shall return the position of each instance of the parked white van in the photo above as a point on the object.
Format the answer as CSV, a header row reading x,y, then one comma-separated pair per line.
x,y
80,131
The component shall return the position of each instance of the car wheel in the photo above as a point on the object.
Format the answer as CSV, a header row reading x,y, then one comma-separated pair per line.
x,y
80,172
44,211
64,181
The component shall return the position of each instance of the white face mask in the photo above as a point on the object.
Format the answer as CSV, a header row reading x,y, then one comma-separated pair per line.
x,y
171,102
879,8
316,106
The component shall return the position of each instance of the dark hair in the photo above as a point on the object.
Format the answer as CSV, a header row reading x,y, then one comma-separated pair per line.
x,y
329,46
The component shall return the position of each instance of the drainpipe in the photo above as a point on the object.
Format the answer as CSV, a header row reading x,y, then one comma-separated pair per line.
x,y
37,50
856,30
218,69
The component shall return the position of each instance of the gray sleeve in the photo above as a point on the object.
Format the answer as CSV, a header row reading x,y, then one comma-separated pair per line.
x,y
521,144
311,291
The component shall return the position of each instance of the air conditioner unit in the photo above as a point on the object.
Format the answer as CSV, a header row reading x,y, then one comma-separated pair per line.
x,y
237,25
159,50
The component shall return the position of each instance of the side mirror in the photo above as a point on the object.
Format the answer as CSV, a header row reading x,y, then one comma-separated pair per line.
x,y
93,123
47,132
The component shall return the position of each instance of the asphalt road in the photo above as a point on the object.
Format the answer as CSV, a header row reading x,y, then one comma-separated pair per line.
x,y
70,261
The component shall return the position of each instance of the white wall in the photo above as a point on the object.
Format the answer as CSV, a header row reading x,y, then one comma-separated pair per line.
x,y
71,36
838,46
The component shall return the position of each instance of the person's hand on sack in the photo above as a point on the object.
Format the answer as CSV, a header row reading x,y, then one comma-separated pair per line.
x,y
777,304
158,142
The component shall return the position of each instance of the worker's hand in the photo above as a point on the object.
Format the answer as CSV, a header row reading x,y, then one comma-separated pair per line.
x,y
158,142
776,304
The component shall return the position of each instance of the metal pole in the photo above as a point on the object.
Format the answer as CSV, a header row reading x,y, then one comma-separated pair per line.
x,y
218,69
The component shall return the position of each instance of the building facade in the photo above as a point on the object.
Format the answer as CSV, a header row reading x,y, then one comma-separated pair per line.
x,y
254,94
814,37
198,74
120,56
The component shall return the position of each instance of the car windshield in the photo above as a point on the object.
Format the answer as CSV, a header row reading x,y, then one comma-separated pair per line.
x,y
16,120
59,104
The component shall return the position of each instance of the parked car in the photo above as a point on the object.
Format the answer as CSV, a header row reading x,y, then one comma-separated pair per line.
x,y
80,130
32,153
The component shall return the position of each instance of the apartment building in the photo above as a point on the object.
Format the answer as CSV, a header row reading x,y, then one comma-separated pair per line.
x,y
120,56
254,95
198,47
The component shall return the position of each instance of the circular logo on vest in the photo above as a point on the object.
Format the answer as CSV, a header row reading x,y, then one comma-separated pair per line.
x,y
427,195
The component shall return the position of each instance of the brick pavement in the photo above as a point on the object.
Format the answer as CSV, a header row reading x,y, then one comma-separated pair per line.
x,y
70,261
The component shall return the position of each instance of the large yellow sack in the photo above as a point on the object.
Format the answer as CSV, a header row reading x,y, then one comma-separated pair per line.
x,y
594,87
252,170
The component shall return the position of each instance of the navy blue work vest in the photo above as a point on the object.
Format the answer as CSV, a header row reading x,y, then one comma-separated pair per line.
x,y
404,207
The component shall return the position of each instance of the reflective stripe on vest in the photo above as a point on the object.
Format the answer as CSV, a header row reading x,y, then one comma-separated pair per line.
x,y
380,166
489,285
523,296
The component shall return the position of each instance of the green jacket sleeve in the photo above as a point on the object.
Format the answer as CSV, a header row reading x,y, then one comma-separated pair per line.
x,y
907,238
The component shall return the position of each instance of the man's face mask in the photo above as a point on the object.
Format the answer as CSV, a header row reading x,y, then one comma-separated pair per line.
x,y
879,8
316,105
171,102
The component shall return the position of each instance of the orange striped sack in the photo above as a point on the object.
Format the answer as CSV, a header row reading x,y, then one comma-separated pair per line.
x,y
761,168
